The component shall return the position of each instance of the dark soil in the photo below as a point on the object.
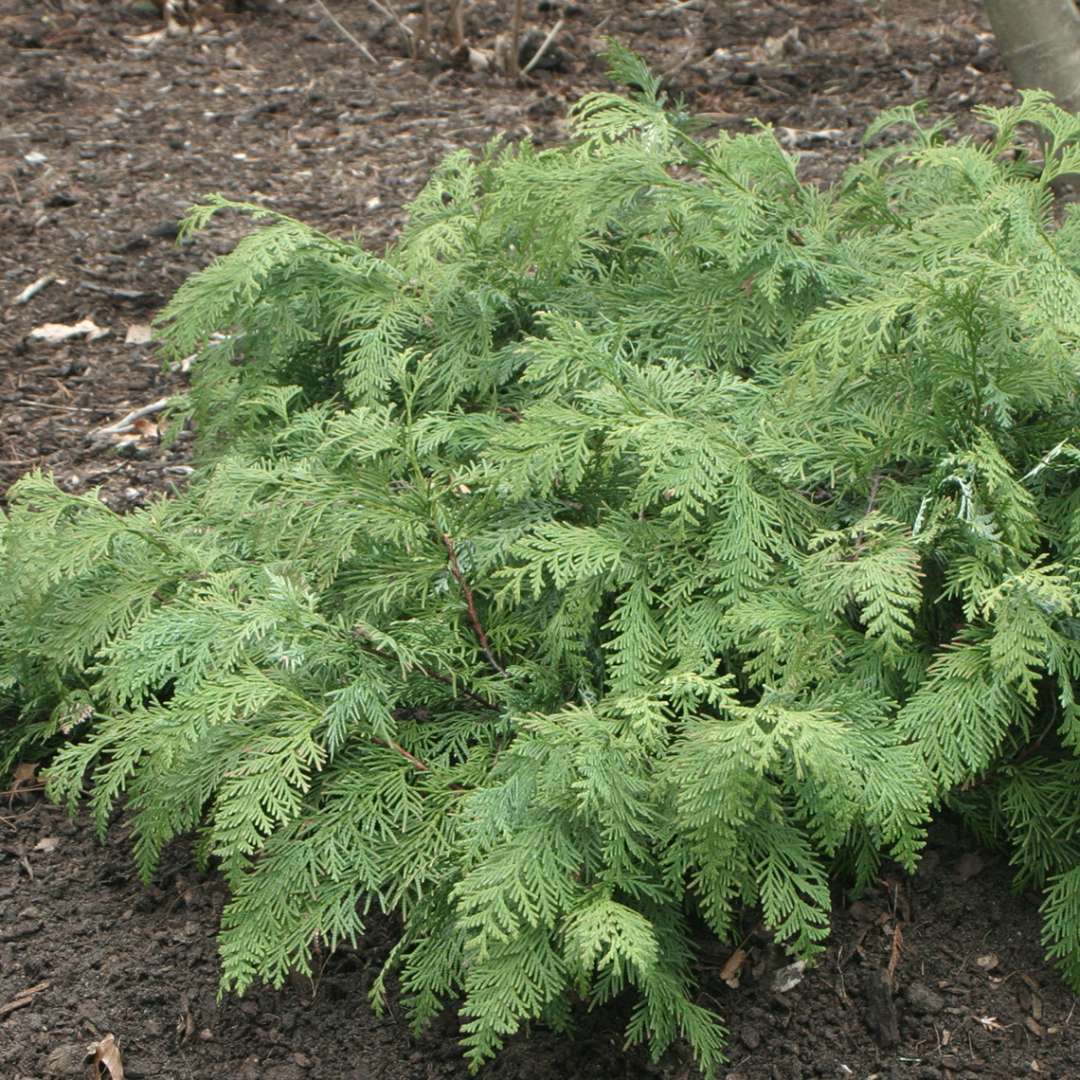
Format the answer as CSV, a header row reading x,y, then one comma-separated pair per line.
x,y
105,139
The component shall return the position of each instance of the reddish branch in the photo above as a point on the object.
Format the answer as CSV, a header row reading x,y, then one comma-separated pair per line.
x,y
470,603
412,759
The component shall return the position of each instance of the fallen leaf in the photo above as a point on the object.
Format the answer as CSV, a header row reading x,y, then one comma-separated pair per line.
x,y
146,428
481,59
732,966
787,44
47,844
988,962
1034,1026
24,776
139,334
152,37
804,137
54,333
990,1023
185,1022
107,1053
787,978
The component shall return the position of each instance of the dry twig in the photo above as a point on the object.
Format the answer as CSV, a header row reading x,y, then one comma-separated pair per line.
x,y
364,50
535,59
126,423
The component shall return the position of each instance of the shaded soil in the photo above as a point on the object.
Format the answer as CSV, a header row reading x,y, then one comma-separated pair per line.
x,y
105,138
969,995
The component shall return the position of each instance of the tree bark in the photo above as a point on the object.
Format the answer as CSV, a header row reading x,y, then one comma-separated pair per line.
x,y
1039,41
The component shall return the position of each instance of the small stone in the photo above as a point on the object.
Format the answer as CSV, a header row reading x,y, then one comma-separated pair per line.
x,y
66,1060
924,1000
286,1071
23,929
249,1069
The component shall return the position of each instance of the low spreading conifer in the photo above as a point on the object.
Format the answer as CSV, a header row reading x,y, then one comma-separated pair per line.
x,y
645,536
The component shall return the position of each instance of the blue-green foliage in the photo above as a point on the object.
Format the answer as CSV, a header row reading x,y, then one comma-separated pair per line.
x,y
647,534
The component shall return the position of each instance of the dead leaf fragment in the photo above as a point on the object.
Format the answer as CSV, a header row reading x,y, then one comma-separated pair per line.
x,y
139,334
47,844
54,333
185,1022
787,978
147,429
896,950
24,776
107,1053
786,44
732,967
480,59
988,962
1034,1026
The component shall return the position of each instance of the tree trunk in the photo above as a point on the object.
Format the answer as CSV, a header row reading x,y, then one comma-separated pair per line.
x,y
1040,44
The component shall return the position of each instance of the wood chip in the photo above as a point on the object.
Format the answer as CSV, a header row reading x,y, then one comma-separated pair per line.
x,y
33,289
24,998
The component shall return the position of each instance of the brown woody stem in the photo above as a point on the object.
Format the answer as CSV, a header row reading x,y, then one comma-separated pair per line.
x,y
470,603
412,759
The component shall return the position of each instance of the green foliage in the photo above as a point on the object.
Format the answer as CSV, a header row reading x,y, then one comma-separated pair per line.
x,y
647,534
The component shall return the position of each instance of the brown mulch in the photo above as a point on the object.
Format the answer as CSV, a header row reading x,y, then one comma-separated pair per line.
x,y
105,139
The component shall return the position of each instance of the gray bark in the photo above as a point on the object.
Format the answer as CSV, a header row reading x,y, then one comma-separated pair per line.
x,y
1039,41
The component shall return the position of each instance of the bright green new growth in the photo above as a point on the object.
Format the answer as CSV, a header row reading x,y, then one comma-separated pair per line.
x,y
645,536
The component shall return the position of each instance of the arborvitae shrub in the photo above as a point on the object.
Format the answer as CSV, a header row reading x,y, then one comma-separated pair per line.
x,y
646,535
